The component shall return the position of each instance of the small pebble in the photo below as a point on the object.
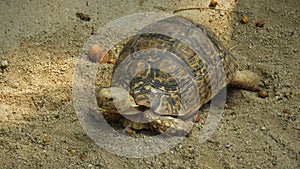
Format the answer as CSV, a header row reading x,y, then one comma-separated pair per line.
x,y
266,82
46,139
228,145
260,23
96,53
287,111
263,94
73,151
263,128
213,4
83,156
277,98
4,64
83,16
244,19
222,13
274,162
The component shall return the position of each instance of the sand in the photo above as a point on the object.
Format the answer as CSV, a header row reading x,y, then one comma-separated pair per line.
x,y
41,42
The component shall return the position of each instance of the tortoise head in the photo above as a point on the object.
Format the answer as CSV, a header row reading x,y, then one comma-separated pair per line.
x,y
115,99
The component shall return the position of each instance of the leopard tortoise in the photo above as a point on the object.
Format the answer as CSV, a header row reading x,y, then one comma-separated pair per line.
x,y
165,73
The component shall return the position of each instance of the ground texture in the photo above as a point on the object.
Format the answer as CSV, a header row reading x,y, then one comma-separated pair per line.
x,y
41,41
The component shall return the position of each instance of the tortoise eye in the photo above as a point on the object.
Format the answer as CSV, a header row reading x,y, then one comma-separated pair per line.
x,y
111,99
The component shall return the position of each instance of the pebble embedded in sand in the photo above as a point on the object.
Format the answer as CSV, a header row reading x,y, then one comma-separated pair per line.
x,y
4,64
260,23
263,128
96,53
244,19
263,94
228,145
83,156
213,4
73,151
287,111
46,139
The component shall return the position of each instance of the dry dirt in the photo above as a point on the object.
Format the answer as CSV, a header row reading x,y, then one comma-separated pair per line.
x,y
41,40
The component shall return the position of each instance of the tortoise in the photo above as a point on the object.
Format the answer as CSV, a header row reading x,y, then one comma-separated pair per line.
x,y
165,73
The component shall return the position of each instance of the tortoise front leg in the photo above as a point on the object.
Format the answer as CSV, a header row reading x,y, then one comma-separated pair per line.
x,y
171,126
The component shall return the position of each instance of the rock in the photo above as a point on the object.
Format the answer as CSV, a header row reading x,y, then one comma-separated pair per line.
x,y
4,64
263,94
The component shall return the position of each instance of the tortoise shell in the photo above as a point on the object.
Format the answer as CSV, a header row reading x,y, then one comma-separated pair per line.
x,y
173,67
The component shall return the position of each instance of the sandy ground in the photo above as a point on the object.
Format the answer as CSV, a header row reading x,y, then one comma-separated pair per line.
x,y
42,40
